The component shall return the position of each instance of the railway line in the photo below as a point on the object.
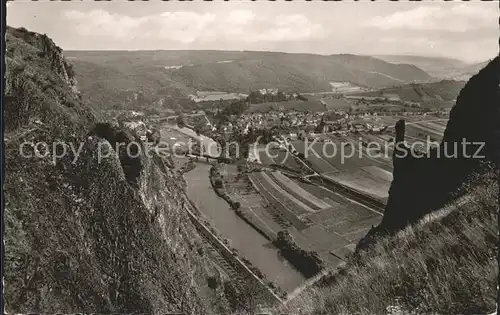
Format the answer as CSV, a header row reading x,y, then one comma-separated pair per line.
x,y
226,259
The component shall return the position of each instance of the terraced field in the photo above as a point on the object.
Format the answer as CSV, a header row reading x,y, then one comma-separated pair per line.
x,y
253,207
329,223
362,156
384,156
290,207
346,159
345,217
319,163
280,157
422,131
371,180
295,190
265,158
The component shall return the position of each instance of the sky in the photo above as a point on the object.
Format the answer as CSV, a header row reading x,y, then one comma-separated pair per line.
x,y
468,31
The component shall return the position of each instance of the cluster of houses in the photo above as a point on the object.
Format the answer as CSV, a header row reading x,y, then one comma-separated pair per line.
x,y
299,124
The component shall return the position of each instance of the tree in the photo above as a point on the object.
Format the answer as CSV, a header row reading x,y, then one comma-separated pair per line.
x,y
180,121
236,205
212,283
218,183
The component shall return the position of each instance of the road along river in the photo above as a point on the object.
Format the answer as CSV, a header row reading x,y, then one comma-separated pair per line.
x,y
247,241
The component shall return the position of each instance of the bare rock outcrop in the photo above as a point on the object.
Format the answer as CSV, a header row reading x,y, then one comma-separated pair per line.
x,y
84,234
425,182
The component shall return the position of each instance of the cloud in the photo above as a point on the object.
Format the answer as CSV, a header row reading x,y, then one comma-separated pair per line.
x,y
241,17
189,27
458,18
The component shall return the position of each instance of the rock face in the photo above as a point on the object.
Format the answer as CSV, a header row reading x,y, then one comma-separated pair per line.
x,y
84,234
424,184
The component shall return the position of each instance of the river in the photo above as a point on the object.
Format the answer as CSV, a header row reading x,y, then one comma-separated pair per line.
x,y
249,243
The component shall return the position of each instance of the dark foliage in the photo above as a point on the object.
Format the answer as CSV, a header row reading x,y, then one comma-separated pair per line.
x,y
306,262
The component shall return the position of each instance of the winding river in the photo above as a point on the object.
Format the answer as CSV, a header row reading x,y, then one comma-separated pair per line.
x,y
249,243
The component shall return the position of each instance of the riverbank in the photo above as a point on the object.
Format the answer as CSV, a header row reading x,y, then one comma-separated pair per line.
x,y
219,188
226,181
240,264
250,244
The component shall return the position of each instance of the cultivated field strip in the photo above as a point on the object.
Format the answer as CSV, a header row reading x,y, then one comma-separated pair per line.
x,y
348,227
265,159
296,206
361,157
429,127
379,173
279,203
318,163
363,181
421,132
386,149
252,210
286,159
288,185
433,125
370,202
253,205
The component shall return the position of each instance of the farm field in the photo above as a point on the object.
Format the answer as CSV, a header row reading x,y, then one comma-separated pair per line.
x,y
264,157
433,126
293,105
280,157
333,223
271,191
422,132
252,205
330,158
287,159
361,153
266,217
331,101
345,221
319,164
384,141
295,190
371,180
213,96
342,211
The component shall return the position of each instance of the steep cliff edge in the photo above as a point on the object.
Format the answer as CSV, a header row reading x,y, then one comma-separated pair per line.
x,y
436,247
84,234
471,139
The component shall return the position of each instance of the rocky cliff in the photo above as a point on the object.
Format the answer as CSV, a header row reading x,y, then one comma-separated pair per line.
x,y
471,142
88,228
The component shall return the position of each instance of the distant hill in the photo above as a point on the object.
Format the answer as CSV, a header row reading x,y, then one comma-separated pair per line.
x,y
437,94
467,72
439,67
107,77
